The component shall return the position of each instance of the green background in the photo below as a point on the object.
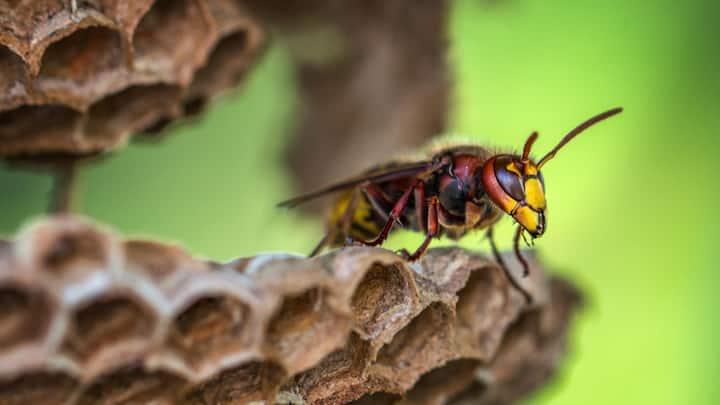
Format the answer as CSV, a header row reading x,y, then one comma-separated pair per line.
x,y
632,203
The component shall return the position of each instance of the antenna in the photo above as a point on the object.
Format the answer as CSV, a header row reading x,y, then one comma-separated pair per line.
x,y
575,132
528,145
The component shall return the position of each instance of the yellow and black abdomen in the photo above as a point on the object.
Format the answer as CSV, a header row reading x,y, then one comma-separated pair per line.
x,y
364,222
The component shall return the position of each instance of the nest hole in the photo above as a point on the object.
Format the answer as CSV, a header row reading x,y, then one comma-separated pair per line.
x,y
13,76
25,317
419,345
225,67
443,383
345,364
108,324
71,250
230,47
38,389
481,307
194,106
254,381
210,325
154,258
134,386
83,55
133,109
382,298
37,129
377,398
305,329
171,28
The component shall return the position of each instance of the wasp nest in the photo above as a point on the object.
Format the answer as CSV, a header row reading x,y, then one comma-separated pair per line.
x,y
373,78
86,318
79,77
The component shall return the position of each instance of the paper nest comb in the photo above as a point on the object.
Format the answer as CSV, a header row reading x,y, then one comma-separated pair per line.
x,y
86,318
79,77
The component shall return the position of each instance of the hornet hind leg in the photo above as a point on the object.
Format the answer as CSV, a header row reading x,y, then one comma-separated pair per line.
x,y
501,262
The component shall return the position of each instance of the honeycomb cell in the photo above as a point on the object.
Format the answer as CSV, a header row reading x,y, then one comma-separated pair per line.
x,y
292,334
156,260
29,130
330,378
383,299
110,330
209,328
378,398
113,118
82,67
254,381
225,68
133,385
423,343
25,317
484,310
440,385
40,388
66,248
172,40
14,87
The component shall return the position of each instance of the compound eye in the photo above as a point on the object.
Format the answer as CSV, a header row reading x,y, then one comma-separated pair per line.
x,y
509,177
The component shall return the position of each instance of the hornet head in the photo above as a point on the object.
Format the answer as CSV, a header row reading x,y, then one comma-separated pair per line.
x,y
516,185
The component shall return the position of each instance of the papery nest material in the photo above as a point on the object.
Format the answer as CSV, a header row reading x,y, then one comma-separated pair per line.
x,y
89,318
79,78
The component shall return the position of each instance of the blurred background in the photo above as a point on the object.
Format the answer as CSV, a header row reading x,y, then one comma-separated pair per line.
x,y
631,203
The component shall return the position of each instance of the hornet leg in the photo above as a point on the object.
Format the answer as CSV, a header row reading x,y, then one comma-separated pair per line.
x,y
516,247
432,230
393,217
502,264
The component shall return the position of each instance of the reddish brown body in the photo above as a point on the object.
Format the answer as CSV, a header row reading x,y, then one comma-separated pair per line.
x,y
448,201
454,191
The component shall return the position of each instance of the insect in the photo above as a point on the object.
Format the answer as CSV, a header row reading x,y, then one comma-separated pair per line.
x,y
454,191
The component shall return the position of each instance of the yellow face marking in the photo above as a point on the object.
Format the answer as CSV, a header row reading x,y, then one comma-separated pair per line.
x,y
534,194
528,218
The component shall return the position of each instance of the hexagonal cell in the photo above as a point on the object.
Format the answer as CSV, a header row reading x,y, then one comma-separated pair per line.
x,y
484,309
334,373
440,385
117,116
378,398
225,68
254,381
383,299
304,330
126,14
172,39
134,385
13,79
423,344
66,248
29,130
25,317
42,388
156,260
210,328
83,66
110,329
